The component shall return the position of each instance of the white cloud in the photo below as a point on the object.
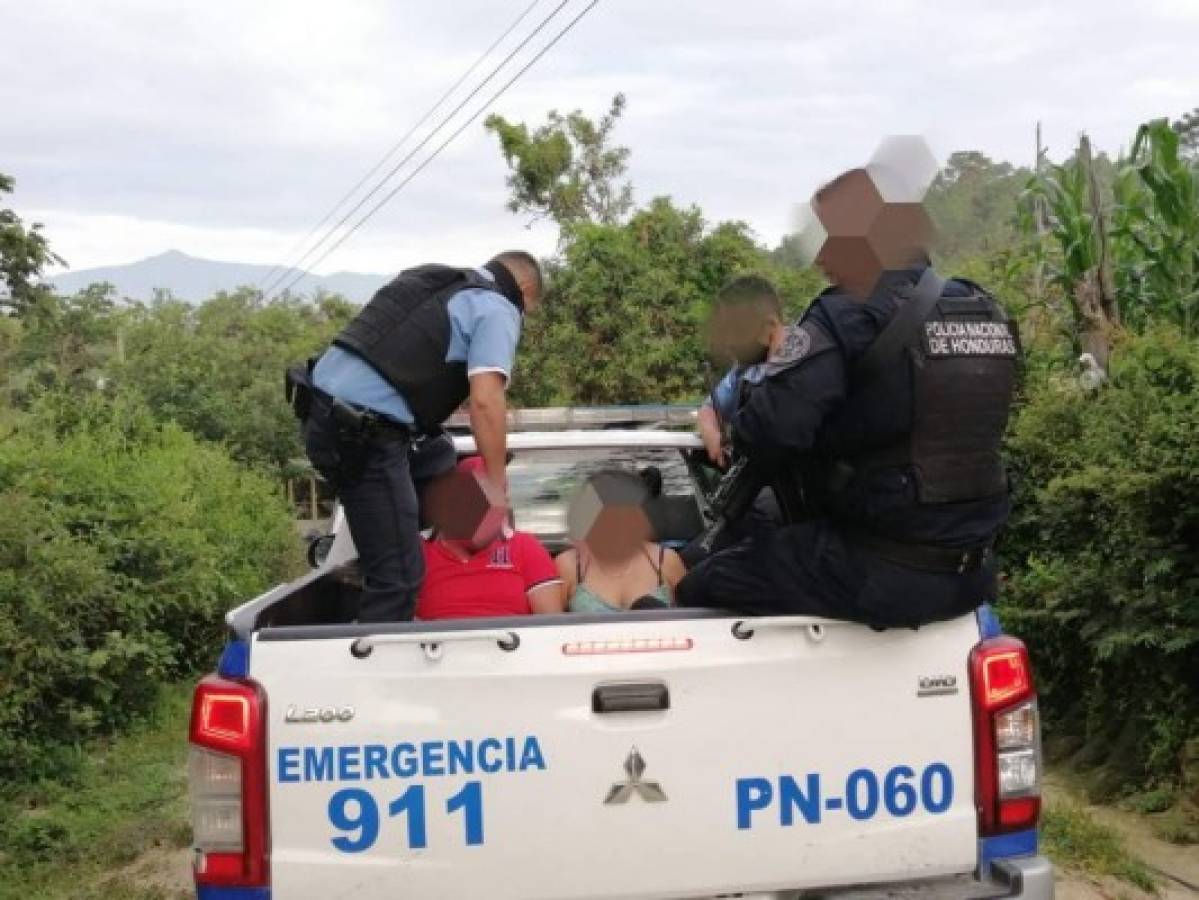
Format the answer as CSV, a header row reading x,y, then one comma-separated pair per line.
x,y
226,129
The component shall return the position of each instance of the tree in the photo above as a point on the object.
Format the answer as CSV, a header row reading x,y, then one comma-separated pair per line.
x,y
217,368
566,169
24,252
67,341
973,202
1187,129
624,322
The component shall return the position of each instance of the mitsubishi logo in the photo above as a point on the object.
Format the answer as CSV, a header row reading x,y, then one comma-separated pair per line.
x,y
634,766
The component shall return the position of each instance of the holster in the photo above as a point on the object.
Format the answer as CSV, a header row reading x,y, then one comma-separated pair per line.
x,y
298,387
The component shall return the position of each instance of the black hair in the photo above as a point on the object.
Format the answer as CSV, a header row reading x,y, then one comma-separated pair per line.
x,y
752,291
519,262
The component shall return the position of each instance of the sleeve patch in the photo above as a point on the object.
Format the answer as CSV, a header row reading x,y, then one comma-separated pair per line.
x,y
800,342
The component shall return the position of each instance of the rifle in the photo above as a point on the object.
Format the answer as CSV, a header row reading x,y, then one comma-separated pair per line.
x,y
731,499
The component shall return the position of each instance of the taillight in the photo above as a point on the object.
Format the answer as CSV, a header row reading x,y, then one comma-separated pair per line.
x,y
1007,737
227,777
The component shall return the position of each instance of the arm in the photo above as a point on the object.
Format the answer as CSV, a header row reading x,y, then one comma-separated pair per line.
x,y
492,335
784,412
721,401
709,433
488,422
543,581
548,598
565,561
673,570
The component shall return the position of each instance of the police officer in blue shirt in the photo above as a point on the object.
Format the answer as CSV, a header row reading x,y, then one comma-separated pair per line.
x,y
759,313
889,405
430,340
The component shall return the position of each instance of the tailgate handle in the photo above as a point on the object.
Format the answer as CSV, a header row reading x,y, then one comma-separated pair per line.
x,y
646,696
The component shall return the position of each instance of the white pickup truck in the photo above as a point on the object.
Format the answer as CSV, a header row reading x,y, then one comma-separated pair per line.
x,y
656,754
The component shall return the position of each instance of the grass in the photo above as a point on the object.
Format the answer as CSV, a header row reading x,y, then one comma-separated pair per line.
x,y
1171,816
1071,837
65,837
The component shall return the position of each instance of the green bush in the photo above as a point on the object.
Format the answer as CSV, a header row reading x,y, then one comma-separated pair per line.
x,y
122,543
1104,578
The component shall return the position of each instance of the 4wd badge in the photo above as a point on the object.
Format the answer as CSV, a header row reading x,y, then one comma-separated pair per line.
x,y
634,767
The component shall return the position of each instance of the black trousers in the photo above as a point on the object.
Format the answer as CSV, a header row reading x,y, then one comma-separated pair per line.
x,y
762,518
377,483
810,569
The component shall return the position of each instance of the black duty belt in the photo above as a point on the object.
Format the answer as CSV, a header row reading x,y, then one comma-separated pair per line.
x,y
926,557
355,421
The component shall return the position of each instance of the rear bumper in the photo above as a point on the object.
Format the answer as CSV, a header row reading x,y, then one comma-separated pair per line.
x,y
1030,877
1026,877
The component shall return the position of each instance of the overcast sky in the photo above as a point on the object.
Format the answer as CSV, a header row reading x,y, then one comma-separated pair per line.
x,y
227,129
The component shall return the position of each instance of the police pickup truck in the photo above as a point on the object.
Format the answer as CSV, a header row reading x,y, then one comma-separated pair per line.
x,y
662,753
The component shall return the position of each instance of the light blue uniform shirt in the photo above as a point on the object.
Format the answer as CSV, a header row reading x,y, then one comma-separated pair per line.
x,y
484,332
724,396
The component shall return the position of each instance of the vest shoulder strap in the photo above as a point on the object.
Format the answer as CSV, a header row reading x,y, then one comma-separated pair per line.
x,y
903,327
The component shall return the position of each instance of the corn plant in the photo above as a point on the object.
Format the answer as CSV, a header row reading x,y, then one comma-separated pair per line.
x,y
1156,230
1069,249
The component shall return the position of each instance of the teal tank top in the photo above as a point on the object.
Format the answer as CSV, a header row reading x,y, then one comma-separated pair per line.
x,y
585,600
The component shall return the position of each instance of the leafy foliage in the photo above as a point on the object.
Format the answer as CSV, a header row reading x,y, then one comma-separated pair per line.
x,y
1157,230
24,252
972,201
1154,236
565,169
1105,575
217,368
122,544
62,837
624,322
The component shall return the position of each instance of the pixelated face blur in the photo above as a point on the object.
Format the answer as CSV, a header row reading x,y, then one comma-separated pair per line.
x,y
465,509
740,333
872,220
608,516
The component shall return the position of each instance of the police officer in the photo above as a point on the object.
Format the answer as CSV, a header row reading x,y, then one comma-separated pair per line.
x,y
748,318
433,338
889,402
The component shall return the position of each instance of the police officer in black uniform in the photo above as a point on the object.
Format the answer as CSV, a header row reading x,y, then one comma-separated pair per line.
x,y
373,405
888,404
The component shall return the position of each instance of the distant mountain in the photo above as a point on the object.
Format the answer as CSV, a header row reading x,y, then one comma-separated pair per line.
x,y
191,278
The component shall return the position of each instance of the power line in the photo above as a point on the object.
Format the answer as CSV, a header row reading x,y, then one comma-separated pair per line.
x,y
412,153
383,202
270,276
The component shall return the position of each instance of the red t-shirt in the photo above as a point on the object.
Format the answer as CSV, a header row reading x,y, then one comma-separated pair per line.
x,y
493,582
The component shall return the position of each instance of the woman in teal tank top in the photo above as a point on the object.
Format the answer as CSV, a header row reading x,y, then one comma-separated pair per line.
x,y
613,563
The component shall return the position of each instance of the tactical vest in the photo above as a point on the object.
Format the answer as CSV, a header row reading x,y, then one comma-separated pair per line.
x,y
404,333
961,363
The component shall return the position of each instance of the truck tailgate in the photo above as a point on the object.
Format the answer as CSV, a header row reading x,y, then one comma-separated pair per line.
x,y
673,758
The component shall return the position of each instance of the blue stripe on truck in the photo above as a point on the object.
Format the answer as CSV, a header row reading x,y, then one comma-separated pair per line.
x,y
1005,846
988,622
235,660
210,892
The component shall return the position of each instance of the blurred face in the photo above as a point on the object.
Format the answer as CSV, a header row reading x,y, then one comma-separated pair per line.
x,y
608,517
528,290
618,533
465,510
741,334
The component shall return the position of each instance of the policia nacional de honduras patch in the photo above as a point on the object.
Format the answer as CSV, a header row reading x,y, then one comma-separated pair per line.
x,y
942,338
800,343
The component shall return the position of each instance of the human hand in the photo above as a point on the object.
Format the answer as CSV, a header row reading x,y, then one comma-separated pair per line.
x,y
718,455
